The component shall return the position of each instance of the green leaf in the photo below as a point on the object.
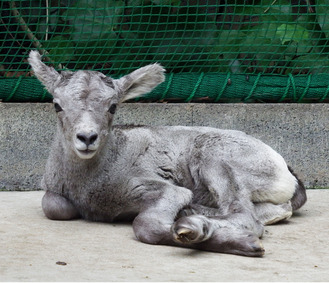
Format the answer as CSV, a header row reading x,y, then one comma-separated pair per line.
x,y
264,30
311,63
166,2
288,32
280,9
322,15
94,27
304,46
60,48
133,3
93,19
180,39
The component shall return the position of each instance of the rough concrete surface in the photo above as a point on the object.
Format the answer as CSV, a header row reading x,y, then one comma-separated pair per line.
x,y
34,248
299,132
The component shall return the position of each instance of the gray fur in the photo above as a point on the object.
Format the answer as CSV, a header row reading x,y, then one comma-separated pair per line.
x,y
196,187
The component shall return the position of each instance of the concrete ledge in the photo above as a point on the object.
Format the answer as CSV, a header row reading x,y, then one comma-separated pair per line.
x,y
300,132
296,250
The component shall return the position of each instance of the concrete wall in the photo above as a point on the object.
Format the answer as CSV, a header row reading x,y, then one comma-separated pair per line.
x,y
300,132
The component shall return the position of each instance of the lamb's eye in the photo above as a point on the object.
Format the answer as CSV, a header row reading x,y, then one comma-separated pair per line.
x,y
112,108
58,108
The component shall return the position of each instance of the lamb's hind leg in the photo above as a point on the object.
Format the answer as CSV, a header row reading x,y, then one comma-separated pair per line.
x,y
155,224
57,207
269,213
235,229
216,235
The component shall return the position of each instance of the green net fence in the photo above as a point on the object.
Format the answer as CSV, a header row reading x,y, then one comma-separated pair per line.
x,y
213,50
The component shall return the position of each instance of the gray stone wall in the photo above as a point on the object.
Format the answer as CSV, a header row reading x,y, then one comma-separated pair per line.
x,y
299,132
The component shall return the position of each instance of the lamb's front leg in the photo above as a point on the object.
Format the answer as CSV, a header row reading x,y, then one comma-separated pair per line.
x,y
160,204
57,207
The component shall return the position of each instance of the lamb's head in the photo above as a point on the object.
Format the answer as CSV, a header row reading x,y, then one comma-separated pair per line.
x,y
85,101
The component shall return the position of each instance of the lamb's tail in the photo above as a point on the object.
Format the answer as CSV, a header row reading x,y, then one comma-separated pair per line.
x,y
299,198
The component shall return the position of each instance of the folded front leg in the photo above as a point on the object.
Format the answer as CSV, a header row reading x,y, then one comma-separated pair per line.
x,y
160,204
57,207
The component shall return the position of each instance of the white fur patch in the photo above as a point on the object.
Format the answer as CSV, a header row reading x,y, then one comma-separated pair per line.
x,y
282,189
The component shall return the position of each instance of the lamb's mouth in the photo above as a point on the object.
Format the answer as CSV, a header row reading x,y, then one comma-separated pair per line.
x,y
86,153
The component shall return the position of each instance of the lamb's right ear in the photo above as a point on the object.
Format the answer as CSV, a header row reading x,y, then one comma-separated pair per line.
x,y
48,76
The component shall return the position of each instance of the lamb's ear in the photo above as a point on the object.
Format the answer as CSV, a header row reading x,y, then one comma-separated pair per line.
x,y
48,76
141,81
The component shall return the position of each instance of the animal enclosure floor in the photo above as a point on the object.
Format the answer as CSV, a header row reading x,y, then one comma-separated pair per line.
x,y
34,248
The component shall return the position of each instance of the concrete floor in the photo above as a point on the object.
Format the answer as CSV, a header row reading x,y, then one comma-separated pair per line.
x,y
34,248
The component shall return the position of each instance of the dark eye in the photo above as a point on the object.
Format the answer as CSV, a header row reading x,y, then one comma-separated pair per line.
x,y
112,108
58,108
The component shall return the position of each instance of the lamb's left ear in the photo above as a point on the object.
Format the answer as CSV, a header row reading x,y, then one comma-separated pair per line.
x,y
141,81
48,76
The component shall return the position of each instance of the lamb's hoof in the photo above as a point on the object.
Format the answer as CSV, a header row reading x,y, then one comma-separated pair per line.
x,y
261,249
252,246
185,235
190,229
249,246
257,249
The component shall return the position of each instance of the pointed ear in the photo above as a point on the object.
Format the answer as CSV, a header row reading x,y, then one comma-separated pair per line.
x,y
48,76
141,81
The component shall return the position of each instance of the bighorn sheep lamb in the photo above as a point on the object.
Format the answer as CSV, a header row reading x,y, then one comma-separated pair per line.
x,y
196,187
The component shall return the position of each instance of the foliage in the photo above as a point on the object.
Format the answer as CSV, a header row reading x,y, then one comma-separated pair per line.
x,y
277,37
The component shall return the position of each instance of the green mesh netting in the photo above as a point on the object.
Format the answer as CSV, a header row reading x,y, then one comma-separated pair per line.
x,y
213,51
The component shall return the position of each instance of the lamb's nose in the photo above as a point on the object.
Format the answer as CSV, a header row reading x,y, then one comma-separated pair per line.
x,y
87,139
